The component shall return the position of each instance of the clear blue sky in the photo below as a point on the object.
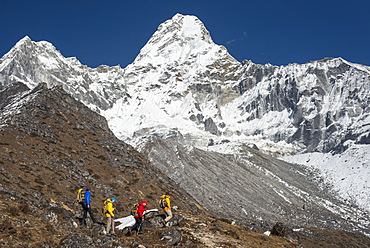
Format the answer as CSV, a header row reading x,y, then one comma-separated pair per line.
x,y
112,32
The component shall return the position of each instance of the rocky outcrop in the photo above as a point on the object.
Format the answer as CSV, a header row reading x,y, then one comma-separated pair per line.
x,y
77,240
8,94
322,102
172,237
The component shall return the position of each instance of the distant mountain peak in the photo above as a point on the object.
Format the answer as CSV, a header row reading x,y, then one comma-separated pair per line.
x,y
28,56
24,40
182,39
27,44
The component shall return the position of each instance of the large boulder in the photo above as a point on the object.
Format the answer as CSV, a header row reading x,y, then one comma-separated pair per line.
x,y
77,239
281,230
158,221
172,236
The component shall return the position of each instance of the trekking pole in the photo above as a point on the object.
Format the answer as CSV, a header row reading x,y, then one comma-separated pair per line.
x,y
139,228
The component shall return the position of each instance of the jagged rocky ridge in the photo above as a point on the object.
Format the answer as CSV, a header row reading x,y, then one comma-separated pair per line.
x,y
184,88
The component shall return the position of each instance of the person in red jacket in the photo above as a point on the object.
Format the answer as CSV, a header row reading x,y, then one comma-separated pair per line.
x,y
139,216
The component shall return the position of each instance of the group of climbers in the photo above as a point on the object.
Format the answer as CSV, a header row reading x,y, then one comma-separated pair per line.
x,y
84,196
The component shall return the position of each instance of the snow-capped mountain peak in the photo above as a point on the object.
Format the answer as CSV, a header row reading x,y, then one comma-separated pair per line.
x,y
182,39
33,62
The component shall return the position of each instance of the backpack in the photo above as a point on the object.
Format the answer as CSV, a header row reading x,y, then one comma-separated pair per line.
x,y
163,203
81,196
134,209
104,209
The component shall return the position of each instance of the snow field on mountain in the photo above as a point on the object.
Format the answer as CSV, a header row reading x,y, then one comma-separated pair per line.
x,y
348,173
150,111
270,124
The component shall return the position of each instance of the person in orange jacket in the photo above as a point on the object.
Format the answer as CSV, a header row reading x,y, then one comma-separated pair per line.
x,y
139,216
109,209
165,204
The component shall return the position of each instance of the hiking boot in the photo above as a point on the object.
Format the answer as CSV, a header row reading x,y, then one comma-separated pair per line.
x,y
139,231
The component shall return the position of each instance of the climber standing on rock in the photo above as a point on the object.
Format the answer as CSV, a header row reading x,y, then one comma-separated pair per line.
x,y
87,208
165,204
139,216
109,209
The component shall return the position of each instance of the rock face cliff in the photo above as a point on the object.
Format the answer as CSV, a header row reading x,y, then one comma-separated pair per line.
x,y
326,102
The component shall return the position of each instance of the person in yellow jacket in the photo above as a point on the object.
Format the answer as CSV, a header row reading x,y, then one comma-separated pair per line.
x,y
109,209
165,204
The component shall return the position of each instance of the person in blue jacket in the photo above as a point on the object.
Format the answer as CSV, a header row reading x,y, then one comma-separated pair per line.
x,y
87,208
